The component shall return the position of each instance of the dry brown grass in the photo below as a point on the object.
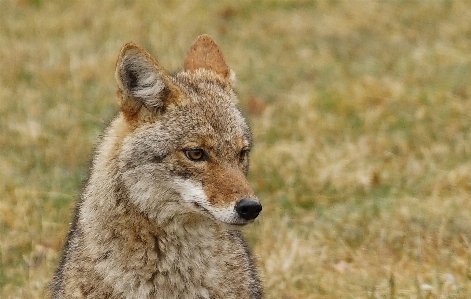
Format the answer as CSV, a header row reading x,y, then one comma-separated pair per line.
x,y
360,112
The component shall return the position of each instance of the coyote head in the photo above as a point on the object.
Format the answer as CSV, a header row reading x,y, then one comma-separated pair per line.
x,y
185,146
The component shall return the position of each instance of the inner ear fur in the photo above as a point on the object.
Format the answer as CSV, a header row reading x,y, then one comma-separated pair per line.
x,y
142,82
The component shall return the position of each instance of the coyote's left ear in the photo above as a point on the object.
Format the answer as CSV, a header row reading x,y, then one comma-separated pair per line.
x,y
205,54
142,83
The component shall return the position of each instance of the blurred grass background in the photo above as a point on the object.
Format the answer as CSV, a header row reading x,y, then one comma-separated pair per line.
x,y
361,118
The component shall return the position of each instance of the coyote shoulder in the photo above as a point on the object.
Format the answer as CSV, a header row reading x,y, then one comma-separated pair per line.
x,y
160,214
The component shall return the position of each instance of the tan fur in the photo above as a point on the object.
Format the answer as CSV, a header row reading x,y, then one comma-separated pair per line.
x,y
151,222
205,54
221,191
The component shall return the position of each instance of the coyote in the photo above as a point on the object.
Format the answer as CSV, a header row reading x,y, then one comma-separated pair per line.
x,y
160,214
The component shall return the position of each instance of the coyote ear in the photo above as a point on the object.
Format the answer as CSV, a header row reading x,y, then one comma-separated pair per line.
x,y
142,82
205,53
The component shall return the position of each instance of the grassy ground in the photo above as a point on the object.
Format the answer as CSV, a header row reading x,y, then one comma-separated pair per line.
x,y
361,116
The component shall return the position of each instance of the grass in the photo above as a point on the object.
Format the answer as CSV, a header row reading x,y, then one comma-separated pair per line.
x,y
361,119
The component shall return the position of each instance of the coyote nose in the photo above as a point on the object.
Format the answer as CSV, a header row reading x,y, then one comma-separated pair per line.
x,y
248,209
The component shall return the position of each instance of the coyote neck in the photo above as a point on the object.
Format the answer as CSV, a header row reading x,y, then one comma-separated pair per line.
x,y
180,254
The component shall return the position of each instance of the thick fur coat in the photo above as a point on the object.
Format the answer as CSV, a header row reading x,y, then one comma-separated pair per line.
x,y
159,215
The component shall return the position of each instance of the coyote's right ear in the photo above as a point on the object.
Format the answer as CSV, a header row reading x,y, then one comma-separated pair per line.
x,y
142,83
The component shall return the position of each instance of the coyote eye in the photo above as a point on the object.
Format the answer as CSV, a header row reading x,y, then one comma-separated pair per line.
x,y
195,154
243,156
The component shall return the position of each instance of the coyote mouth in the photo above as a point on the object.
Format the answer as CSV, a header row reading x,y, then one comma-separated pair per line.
x,y
199,206
203,209
235,222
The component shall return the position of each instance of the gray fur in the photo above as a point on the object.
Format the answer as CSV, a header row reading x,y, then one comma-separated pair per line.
x,y
151,223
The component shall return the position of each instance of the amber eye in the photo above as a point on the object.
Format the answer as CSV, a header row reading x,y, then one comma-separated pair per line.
x,y
243,156
195,154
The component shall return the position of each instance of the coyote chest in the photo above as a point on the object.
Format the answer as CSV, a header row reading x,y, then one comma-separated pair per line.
x,y
160,214
188,263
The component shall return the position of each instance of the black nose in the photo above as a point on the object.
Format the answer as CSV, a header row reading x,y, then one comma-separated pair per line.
x,y
248,209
